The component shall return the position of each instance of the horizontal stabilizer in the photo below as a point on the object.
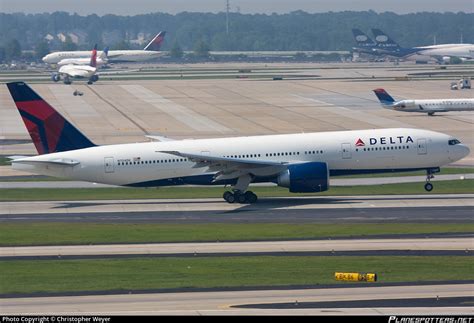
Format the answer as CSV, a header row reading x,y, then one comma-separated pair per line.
x,y
59,161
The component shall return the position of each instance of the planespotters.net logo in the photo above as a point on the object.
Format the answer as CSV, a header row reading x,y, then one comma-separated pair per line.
x,y
439,319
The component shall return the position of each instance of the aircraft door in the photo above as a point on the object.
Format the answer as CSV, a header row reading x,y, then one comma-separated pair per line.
x,y
346,151
109,165
422,149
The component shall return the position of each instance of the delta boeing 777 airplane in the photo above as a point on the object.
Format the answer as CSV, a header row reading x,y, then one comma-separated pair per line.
x,y
300,162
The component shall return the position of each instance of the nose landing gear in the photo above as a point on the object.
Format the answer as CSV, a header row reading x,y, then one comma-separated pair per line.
x,y
429,176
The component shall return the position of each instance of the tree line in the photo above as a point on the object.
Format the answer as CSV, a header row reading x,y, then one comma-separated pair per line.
x,y
187,31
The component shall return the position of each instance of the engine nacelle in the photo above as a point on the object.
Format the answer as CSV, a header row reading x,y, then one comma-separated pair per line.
x,y
305,177
94,78
404,104
55,77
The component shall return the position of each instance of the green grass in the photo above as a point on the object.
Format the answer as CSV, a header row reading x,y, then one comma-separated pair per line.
x,y
15,234
4,161
159,273
34,194
444,171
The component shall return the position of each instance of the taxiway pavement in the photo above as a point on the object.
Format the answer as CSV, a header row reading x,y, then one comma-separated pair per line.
x,y
313,209
226,302
465,244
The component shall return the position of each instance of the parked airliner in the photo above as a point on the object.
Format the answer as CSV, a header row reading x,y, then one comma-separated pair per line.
x,y
425,106
300,162
441,53
102,59
151,51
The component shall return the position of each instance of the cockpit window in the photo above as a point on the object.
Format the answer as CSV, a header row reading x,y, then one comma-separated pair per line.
x,y
453,142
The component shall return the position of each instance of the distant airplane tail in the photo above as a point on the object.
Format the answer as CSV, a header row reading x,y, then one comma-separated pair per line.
x,y
48,129
383,40
156,42
105,53
362,39
93,62
384,97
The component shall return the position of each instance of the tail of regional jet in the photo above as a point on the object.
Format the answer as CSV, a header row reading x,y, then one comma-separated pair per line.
x,y
156,42
93,62
383,40
48,129
384,97
362,39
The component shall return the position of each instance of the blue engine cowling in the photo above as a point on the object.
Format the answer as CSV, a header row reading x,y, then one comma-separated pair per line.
x,y
305,177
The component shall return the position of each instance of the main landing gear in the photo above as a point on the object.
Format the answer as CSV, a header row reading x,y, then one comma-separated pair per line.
x,y
239,192
240,197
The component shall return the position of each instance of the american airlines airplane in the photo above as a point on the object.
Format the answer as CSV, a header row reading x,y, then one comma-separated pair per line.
x,y
300,162
424,106
151,51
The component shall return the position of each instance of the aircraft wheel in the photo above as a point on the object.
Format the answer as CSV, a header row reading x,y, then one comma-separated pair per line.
x,y
241,198
428,187
229,197
251,197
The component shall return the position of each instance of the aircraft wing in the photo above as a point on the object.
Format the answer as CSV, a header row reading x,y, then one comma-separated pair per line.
x,y
229,168
160,138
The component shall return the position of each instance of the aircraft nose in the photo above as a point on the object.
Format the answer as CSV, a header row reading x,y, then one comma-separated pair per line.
x,y
465,151
459,152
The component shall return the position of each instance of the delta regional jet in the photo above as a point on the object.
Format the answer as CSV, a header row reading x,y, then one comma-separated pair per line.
x,y
425,106
300,162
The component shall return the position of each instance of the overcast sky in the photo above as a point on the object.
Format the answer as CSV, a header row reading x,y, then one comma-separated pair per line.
x,y
133,7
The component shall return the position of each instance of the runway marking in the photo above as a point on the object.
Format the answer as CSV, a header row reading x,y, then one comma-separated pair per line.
x,y
113,106
181,113
73,105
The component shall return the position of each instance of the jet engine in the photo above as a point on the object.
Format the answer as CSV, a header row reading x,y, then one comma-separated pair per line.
x,y
305,177
94,78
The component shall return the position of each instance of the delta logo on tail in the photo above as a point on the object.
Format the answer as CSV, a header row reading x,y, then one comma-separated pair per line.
x,y
155,43
360,143
49,130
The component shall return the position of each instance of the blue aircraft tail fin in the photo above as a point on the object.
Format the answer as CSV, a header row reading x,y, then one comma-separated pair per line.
x,y
361,38
383,40
384,97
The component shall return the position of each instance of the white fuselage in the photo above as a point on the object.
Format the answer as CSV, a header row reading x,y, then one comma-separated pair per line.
x,y
146,164
77,71
461,51
113,55
81,61
429,106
